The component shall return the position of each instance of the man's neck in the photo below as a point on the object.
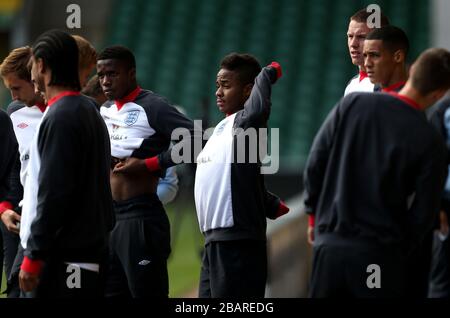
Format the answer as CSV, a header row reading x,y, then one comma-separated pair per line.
x,y
128,92
413,94
399,75
52,91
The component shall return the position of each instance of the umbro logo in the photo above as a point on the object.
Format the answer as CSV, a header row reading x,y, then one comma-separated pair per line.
x,y
144,262
22,125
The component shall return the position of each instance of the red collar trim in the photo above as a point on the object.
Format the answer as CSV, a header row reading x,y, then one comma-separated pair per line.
x,y
129,98
61,95
362,75
41,107
406,100
393,87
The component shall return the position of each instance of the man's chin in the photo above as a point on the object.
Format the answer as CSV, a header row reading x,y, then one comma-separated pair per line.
x,y
373,80
357,62
110,96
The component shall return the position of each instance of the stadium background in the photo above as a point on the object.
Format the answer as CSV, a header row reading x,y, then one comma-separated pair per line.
x,y
178,45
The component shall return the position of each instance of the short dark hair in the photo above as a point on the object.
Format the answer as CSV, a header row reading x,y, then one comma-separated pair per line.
x,y
431,71
118,52
59,52
362,15
393,38
246,65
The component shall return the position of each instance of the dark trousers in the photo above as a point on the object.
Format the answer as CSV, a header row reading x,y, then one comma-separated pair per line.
x,y
58,280
419,267
233,269
440,270
139,248
8,250
13,289
346,270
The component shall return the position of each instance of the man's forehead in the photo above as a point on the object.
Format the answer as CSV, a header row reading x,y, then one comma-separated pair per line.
x,y
358,28
11,79
109,63
373,45
225,75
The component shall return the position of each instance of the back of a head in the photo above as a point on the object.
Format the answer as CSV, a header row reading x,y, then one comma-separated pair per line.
x,y
87,56
17,63
362,15
431,71
120,53
245,65
393,38
93,87
59,52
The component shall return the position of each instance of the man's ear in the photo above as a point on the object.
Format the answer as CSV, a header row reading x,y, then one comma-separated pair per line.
x,y
40,66
247,90
133,74
434,96
438,94
399,56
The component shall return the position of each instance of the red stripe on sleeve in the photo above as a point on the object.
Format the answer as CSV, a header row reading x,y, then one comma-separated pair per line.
x,y
5,205
31,266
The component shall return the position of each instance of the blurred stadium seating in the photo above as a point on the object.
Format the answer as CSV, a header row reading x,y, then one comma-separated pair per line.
x,y
179,44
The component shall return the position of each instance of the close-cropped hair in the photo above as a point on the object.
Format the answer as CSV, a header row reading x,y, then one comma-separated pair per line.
x,y
120,53
431,71
245,65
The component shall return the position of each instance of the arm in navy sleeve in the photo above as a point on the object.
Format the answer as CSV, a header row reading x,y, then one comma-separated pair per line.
x,y
8,154
15,193
429,184
257,107
167,120
316,164
58,144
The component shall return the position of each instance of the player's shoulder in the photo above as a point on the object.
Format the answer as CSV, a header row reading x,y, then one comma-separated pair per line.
x,y
3,114
150,98
442,105
5,121
359,98
107,104
152,102
14,106
352,79
67,110
351,82
91,101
